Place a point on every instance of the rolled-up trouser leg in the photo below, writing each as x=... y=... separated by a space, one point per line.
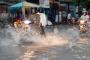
x=42 y=30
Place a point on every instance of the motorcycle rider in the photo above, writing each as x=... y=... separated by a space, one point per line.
x=85 y=16
x=84 y=19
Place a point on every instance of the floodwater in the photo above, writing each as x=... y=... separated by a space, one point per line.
x=62 y=42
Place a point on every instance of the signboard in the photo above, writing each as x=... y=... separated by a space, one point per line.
x=44 y=3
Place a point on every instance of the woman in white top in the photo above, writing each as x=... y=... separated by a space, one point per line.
x=85 y=16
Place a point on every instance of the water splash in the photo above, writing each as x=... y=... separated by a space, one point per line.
x=53 y=38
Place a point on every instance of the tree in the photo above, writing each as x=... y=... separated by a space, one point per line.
x=77 y=2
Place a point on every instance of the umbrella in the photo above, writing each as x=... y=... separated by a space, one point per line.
x=24 y=4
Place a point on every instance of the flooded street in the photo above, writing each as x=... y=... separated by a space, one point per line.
x=64 y=42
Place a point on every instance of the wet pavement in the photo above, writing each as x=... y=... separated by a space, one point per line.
x=64 y=42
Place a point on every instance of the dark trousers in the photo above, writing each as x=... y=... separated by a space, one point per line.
x=69 y=21
x=42 y=30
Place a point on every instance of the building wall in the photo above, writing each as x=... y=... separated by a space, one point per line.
x=10 y=1
x=3 y=7
x=5 y=3
x=33 y=1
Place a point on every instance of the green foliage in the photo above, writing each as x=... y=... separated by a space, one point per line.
x=79 y=1
x=17 y=1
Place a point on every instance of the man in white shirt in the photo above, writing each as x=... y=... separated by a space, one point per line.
x=43 y=19
x=69 y=17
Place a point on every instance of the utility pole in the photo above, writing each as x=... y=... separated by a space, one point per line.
x=23 y=9
x=78 y=8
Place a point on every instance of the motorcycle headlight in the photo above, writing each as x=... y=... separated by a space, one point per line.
x=27 y=22
x=82 y=22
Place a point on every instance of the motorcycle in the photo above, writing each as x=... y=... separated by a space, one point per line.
x=83 y=26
